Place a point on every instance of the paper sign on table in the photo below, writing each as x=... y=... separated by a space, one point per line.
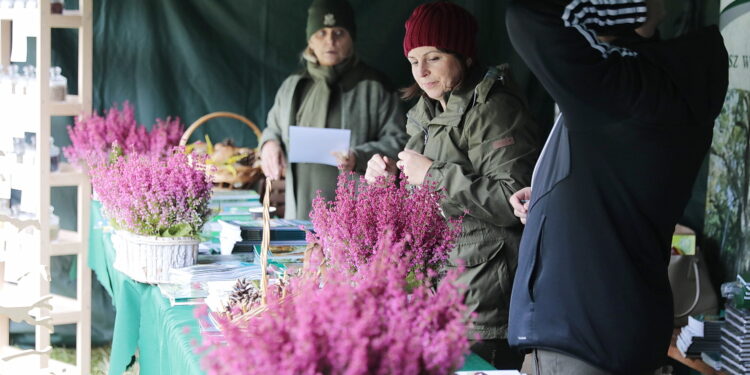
x=315 y=145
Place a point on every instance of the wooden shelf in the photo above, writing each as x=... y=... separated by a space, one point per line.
x=67 y=243
x=67 y=175
x=70 y=19
x=64 y=310
x=695 y=364
x=33 y=112
x=19 y=223
x=23 y=365
x=70 y=107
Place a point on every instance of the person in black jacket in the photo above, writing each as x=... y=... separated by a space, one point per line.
x=591 y=293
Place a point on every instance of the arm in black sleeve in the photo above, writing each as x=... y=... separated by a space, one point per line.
x=585 y=76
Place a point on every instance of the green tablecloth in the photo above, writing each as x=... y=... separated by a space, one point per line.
x=147 y=322
x=144 y=319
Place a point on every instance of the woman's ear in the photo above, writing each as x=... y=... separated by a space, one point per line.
x=469 y=62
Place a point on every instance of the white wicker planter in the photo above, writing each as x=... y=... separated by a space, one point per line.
x=149 y=259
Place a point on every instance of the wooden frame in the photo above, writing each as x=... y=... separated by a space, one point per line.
x=32 y=299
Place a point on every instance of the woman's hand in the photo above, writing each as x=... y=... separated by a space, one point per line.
x=272 y=160
x=520 y=203
x=414 y=165
x=380 y=166
x=346 y=160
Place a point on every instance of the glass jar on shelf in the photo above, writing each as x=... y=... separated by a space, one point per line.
x=54 y=156
x=12 y=79
x=54 y=224
x=58 y=84
x=28 y=79
x=19 y=4
x=57 y=6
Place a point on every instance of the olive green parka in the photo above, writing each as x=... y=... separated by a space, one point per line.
x=483 y=147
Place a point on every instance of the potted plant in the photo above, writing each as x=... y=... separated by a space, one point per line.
x=157 y=205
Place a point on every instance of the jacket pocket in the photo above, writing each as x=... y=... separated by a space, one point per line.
x=534 y=253
x=476 y=246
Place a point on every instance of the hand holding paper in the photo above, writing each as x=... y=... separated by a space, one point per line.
x=347 y=160
x=317 y=145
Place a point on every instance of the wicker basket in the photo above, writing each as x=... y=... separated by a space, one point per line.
x=148 y=259
x=244 y=175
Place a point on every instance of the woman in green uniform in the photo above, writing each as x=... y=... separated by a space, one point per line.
x=472 y=136
x=334 y=90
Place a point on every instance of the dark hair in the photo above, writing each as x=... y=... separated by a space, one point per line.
x=414 y=91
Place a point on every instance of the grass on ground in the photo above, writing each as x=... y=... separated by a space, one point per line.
x=99 y=359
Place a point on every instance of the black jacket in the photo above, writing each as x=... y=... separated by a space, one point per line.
x=612 y=182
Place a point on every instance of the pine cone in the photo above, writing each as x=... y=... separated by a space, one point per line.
x=244 y=295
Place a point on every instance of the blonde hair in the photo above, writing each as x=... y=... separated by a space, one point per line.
x=308 y=55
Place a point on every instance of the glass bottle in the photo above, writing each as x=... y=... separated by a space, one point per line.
x=54 y=156
x=13 y=77
x=57 y=6
x=54 y=224
x=58 y=84
x=29 y=77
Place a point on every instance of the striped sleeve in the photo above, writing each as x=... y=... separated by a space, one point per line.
x=605 y=17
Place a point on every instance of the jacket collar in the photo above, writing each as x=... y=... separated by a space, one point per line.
x=427 y=111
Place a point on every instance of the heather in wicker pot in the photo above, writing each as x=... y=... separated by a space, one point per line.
x=158 y=205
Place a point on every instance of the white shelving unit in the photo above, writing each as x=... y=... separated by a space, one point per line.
x=33 y=113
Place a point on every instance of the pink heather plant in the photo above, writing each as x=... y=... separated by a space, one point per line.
x=153 y=195
x=363 y=215
x=349 y=324
x=92 y=136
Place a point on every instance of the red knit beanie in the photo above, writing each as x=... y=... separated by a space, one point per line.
x=441 y=25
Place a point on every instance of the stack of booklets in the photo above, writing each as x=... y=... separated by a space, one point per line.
x=243 y=236
x=735 y=341
x=228 y=205
x=701 y=334
x=233 y=201
x=184 y=294
x=215 y=272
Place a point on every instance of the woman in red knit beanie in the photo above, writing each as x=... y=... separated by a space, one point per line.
x=473 y=136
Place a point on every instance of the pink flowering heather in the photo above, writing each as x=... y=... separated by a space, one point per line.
x=363 y=215
x=92 y=136
x=154 y=195
x=349 y=324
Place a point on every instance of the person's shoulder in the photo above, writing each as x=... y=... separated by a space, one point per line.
x=291 y=81
x=498 y=86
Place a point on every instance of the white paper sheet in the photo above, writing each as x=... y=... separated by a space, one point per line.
x=315 y=145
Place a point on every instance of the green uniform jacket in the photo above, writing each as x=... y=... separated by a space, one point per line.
x=368 y=108
x=484 y=146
